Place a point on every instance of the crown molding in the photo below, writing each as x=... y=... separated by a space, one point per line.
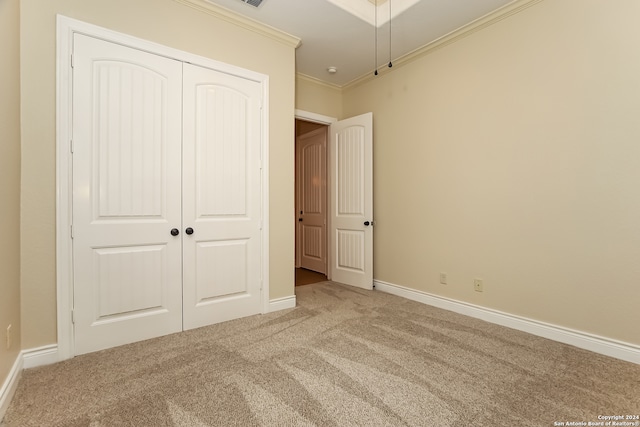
x=317 y=81
x=498 y=15
x=242 y=21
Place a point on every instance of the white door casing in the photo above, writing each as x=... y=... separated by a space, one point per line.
x=311 y=197
x=112 y=254
x=351 y=201
x=222 y=165
x=126 y=193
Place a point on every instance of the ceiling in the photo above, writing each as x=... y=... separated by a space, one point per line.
x=341 y=33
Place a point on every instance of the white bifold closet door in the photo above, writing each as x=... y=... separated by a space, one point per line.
x=166 y=195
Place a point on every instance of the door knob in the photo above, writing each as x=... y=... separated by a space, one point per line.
x=300 y=219
x=366 y=223
x=175 y=231
x=189 y=231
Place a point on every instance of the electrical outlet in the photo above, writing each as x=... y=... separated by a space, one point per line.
x=443 y=278
x=478 y=285
x=8 y=337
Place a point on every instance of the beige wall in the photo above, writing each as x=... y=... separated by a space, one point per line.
x=9 y=183
x=317 y=97
x=172 y=24
x=513 y=155
x=508 y=155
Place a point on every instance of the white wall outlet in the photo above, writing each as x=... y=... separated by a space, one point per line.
x=478 y=285
x=8 y=337
x=443 y=278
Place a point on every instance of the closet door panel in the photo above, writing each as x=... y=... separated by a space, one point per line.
x=126 y=194
x=221 y=196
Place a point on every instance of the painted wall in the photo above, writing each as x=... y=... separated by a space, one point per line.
x=513 y=155
x=317 y=97
x=9 y=183
x=172 y=24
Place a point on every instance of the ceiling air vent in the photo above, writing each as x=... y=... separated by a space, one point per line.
x=254 y=3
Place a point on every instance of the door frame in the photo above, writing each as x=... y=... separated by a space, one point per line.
x=66 y=28
x=327 y=121
x=299 y=203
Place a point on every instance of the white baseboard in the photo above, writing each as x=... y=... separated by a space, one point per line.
x=282 y=303
x=10 y=385
x=40 y=356
x=618 y=349
x=26 y=359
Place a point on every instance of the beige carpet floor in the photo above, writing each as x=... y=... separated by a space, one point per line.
x=343 y=357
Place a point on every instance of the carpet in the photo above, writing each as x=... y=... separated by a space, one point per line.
x=343 y=357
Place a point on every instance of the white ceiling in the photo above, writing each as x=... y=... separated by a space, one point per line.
x=341 y=33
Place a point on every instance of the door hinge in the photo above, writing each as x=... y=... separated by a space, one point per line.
x=73 y=316
x=72 y=60
x=71 y=146
x=71 y=227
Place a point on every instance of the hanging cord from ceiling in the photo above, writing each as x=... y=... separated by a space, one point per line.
x=390 y=64
x=375 y=42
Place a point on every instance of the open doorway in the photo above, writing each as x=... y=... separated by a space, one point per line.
x=311 y=202
x=347 y=190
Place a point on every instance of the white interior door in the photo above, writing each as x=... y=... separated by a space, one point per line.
x=221 y=197
x=126 y=194
x=167 y=195
x=351 y=201
x=311 y=184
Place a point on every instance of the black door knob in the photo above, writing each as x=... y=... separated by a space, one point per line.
x=366 y=223
x=175 y=231
x=189 y=231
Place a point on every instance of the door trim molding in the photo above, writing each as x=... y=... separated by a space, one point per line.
x=66 y=28
x=314 y=117
x=299 y=203
x=323 y=120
